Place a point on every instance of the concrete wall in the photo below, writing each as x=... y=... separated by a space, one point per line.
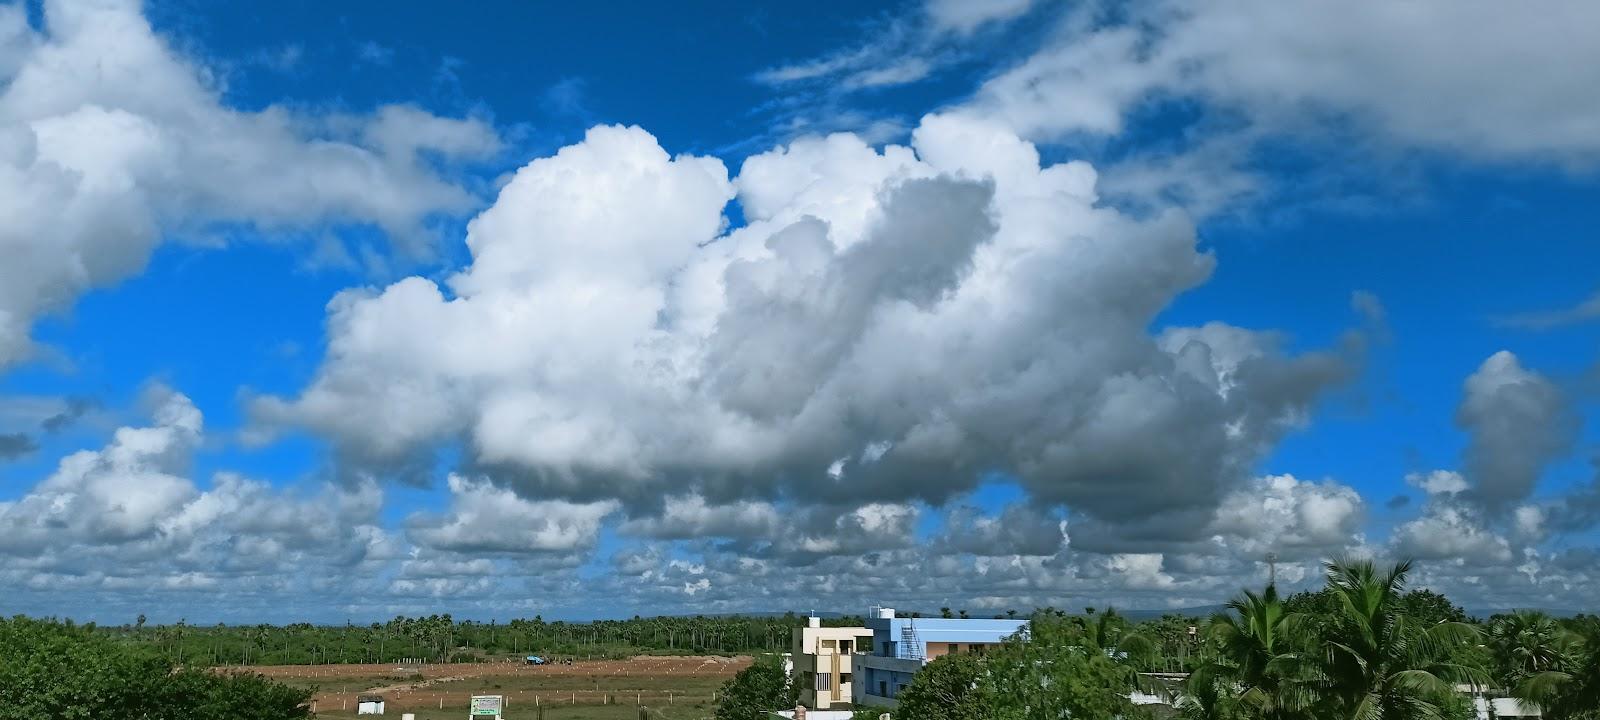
x=940 y=649
x=880 y=679
x=814 y=640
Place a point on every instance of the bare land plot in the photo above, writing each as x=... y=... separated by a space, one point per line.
x=671 y=687
x=564 y=712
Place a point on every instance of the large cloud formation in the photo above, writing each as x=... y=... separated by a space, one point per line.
x=888 y=325
x=1369 y=84
x=679 y=388
x=1403 y=71
x=127 y=519
x=111 y=143
x=1489 y=520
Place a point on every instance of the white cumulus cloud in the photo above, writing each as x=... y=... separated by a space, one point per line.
x=111 y=143
x=887 y=325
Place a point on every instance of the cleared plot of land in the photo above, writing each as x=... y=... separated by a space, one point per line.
x=674 y=688
x=566 y=712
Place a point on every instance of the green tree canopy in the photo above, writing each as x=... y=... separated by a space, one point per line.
x=1571 y=690
x=755 y=690
x=1361 y=648
x=1257 y=661
x=952 y=687
x=59 y=670
x=1055 y=669
x=1526 y=643
x=1427 y=607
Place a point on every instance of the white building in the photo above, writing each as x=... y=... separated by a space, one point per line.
x=1492 y=704
x=369 y=705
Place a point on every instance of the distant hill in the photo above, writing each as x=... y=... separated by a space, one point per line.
x=1484 y=613
x=1200 y=611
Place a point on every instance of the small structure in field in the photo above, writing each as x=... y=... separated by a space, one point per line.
x=369 y=705
x=815 y=715
x=486 y=707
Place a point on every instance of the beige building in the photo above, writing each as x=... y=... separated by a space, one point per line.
x=822 y=658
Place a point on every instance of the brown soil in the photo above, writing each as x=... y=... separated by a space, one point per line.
x=653 y=680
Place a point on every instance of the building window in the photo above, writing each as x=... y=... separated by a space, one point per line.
x=844 y=647
x=844 y=678
x=830 y=645
x=824 y=682
x=883 y=688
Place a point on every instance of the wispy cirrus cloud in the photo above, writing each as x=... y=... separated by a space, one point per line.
x=1585 y=311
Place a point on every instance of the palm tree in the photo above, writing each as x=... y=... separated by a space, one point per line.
x=178 y=632
x=1255 y=651
x=1571 y=690
x=1379 y=663
x=1209 y=698
x=1110 y=633
x=1526 y=643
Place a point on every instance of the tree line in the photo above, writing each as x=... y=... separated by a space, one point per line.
x=1362 y=647
x=440 y=638
x=52 y=669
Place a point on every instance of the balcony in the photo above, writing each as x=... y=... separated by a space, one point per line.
x=824 y=663
x=878 y=662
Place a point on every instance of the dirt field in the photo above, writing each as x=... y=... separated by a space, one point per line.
x=670 y=687
x=551 y=712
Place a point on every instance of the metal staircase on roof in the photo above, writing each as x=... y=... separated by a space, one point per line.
x=909 y=648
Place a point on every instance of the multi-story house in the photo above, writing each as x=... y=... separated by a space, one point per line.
x=823 y=662
x=901 y=646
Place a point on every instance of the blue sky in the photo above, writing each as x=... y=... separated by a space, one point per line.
x=1348 y=255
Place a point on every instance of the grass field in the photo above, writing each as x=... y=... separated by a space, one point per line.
x=669 y=688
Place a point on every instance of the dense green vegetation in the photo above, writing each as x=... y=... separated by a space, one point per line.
x=59 y=670
x=1062 y=667
x=1557 y=668
x=1361 y=648
x=439 y=638
x=756 y=689
x=949 y=688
